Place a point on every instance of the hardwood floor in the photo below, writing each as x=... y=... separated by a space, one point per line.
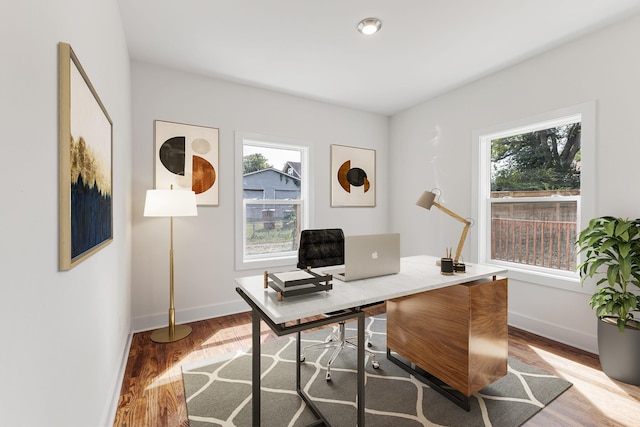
x=152 y=393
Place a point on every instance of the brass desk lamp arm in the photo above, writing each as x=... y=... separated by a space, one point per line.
x=466 y=223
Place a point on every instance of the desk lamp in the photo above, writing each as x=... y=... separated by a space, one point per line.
x=428 y=199
x=170 y=203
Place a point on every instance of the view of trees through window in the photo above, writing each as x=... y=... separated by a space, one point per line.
x=543 y=160
x=535 y=194
x=271 y=184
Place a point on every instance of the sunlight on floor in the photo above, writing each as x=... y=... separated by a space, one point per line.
x=167 y=377
x=593 y=384
x=223 y=341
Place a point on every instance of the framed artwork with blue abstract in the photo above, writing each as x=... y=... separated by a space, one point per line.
x=353 y=176
x=85 y=164
x=186 y=158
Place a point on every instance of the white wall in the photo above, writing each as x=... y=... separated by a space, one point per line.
x=64 y=333
x=431 y=146
x=204 y=245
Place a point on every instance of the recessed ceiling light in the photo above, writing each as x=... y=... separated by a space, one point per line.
x=369 y=26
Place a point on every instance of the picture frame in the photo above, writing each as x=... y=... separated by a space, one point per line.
x=187 y=158
x=85 y=164
x=353 y=176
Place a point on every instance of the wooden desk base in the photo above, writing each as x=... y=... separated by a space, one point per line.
x=457 y=334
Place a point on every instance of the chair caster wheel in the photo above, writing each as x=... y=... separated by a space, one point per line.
x=328 y=376
x=375 y=364
x=302 y=358
x=369 y=344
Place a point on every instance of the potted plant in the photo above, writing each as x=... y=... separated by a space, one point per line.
x=611 y=248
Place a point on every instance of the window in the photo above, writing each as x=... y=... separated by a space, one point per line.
x=271 y=200
x=532 y=190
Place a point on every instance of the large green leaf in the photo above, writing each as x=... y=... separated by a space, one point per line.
x=609 y=228
x=622 y=230
x=624 y=249
x=607 y=244
x=612 y=274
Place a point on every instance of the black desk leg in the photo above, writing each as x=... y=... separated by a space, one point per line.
x=255 y=368
x=298 y=360
x=361 y=369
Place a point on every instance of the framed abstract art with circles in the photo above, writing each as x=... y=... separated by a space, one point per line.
x=186 y=158
x=353 y=176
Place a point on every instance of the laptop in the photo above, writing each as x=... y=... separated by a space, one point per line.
x=369 y=255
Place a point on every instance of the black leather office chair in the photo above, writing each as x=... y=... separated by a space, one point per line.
x=321 y=248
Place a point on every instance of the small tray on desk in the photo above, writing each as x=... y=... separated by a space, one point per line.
x=298 y=282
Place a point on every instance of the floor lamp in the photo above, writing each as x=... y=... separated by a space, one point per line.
x=428 y=199
x=170 y=203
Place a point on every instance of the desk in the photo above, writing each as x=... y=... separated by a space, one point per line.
x=417 y=275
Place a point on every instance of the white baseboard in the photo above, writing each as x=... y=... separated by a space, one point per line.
x=118 y=386
x=146 y=323
x=555 y=332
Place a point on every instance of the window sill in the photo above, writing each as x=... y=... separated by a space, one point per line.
x=567 y=281
x=264 y=263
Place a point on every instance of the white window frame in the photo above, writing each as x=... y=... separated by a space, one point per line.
x=481 y=204
x=242 y=260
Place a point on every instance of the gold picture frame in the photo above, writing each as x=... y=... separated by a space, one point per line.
x=353 y=176
x=85 y=164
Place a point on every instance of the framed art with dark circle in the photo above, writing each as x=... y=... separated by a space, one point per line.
x=353 y=176
x=186 y=158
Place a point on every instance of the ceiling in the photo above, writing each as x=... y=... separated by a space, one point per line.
x=311 y=48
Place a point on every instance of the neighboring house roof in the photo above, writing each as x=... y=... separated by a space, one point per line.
x=292 y=168
x=271 y=170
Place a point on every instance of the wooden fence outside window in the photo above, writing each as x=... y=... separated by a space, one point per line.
x=548 y=244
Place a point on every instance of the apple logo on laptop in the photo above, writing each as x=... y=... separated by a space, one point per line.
x=374 y=255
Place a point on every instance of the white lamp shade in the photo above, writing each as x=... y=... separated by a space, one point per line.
x=426 y=200
x=170 y=203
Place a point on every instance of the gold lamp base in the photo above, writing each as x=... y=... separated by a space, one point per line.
x=164 y=335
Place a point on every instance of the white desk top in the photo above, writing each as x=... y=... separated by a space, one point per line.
x=417 y=274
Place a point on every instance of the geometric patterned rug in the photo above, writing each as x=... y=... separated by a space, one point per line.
x=218 y=392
